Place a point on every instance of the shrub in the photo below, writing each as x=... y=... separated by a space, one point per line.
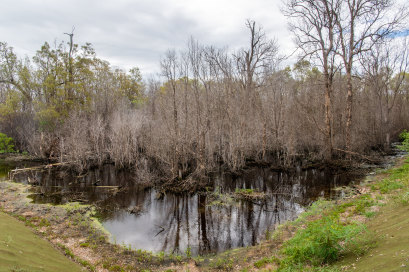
x=404 y=137
x=323 y=241
x=6 y=144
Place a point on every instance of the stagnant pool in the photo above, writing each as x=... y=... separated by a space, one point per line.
x=205 y=222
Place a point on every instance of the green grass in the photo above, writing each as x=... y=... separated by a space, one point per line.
x=222 y=264
x=264 y=261
x=390 y=225
x=323 y=241
x=22 y=250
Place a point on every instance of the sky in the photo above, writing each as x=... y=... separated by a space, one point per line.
x=138 y=33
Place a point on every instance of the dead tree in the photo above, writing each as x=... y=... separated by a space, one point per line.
x=313 y=23
x=360 y=25
x=385 y=69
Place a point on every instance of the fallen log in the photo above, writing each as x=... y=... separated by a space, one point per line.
x=13 y=172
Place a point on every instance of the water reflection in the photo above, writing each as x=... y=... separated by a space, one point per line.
x=144 y=219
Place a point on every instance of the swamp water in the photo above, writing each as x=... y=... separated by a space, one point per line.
x=202 y=223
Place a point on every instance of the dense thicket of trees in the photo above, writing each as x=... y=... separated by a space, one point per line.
x=213 y=106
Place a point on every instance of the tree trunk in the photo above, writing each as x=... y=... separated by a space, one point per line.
x=328 y=115
x=348 y=123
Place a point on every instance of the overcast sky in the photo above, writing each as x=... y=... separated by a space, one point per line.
x=137 y=33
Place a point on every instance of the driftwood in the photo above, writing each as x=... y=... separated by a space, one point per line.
x=13 y=172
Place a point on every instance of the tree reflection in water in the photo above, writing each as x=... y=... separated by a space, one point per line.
x=174 y=223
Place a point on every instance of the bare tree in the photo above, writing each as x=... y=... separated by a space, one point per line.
x=361 y=24
x=170 y=69
x=313 y=22
x=252 y=61
x=70 y=68
x=385 y=69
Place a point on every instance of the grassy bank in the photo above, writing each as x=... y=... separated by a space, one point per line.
x=366 y=231
x=22 y=250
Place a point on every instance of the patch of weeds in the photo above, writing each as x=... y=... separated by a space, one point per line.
x=178 y=258
x=248 y=194
x=223 y=264
x=188 y=252
x=343 y=207
x=316 y=208
x=127 y=249
x=404 y=137
x=369 y=214
x=73 y=206
x=161 y=256
x=323 y=241
x=108 y=265
x=217 y=198
x=244 y=191
x=264 y=261
x=363 y=202
x=70 y=254
x=379 y=197
x=67 y=251
x=84 y=245
x=116 y=268
x=86 y=264
x=268 y=234
x=403 y=198
x=387 y=185
x=143 y=255
x=26 y=221
x=44 y=223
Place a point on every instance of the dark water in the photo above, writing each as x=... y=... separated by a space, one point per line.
x=6 y=165
x=203 y=222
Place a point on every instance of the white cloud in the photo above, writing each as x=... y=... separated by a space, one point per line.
x=136 y=33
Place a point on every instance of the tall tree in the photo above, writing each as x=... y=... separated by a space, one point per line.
x=252 y=61
x=170 y=69
x=313 y=22
x=361 y=24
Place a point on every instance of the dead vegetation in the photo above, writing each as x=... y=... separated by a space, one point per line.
x=214 y=106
